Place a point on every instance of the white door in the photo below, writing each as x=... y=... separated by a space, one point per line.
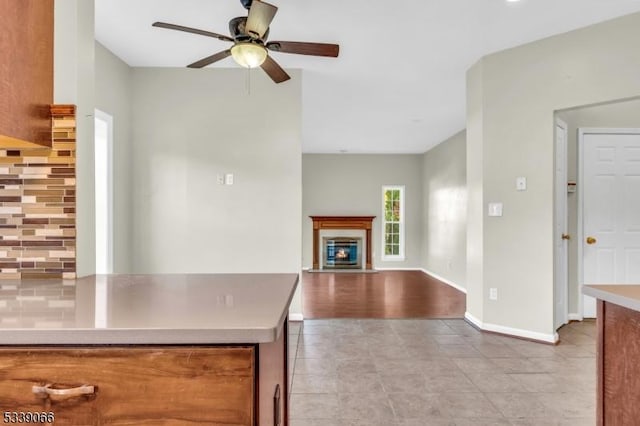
x=611 y=209
x=561 y=267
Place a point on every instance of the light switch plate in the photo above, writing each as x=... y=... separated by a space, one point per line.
x=228 y=178
x=493 y=294
x=495 y=209
x=521 y=183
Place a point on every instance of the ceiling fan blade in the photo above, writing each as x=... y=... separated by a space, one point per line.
x=210 y=59
x=302 y=48
x=274 y=70
x=191 y=30
x=260 y=16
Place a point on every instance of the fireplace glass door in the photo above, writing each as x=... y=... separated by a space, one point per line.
x=342 y=253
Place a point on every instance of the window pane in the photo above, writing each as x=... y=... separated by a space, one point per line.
x=388 y=239
x=387 y=249
x=395 y=249
x=388 y=210
x=396 y=239
x=396 y=211
x=396 y=195
x=388 y=228
x=395 y=228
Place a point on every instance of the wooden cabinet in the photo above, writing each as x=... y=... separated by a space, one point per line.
x=151 y=385
x=618 y=365
x=26 y=74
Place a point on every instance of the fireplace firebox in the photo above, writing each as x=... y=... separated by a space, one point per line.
x=342 y=253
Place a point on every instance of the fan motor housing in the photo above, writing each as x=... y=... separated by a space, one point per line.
x=237 y=29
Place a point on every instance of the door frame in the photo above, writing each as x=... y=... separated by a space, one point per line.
x=108 y=119
x=582 y=132
x=565 y=252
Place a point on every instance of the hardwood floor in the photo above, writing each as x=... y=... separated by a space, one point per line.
x=386 y=294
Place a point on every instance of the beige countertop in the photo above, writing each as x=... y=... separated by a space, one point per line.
x=146 y=309
x=623 y=295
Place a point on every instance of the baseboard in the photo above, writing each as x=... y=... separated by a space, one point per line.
x=575 y=317
x=473 y=320
x=444 y=280
x=296 y=316
x=398 y=269
x=514 y=332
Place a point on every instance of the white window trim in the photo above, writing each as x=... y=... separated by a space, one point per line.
x=394 y=257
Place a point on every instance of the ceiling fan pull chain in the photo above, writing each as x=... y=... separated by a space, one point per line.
x=249 y=81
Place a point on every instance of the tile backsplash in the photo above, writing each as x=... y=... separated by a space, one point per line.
x=38 y=205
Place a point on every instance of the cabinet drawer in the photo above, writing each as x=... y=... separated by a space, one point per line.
x=132 y=386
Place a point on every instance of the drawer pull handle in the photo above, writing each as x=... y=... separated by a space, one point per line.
x=47 y=390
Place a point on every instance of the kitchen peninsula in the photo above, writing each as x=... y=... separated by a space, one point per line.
x=147 y=349
x=618 y=353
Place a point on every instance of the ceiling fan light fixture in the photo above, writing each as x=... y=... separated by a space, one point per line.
x=249 y=55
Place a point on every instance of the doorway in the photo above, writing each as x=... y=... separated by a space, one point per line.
x=103 y=192
x=609 y=209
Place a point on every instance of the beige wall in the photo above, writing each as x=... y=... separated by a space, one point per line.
x=625 y=114
x=188 y=128
x=444 y=212
x=73 y=72
x=516 y=93
x=113 y=96
x=351 y=184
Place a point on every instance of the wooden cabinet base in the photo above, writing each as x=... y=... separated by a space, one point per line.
x=618 y=365
x=160 y=386
x=169 y=385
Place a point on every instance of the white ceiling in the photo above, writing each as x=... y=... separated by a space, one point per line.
x=399 y=83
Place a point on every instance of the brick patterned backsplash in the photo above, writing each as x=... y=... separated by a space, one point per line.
x=38 y=205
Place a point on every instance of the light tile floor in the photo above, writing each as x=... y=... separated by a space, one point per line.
x=438 y=372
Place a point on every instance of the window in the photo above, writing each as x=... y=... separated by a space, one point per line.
x=393 y=222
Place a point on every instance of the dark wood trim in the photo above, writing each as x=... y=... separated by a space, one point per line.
x=341 y=222
x=285 y=380
x=62 y=110
x=269 y=365
x=600 y=363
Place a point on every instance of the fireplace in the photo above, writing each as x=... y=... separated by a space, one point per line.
x=342 y=253
x=343 y=223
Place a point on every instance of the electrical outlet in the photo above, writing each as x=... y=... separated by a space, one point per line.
x=493 y=294
x=220 y=179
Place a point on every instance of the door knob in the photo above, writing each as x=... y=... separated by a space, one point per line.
x=566 y=236
x=591 y=240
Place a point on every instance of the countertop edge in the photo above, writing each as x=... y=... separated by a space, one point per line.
x=611 y=297
x=285 y=314
x=29 y=337
x=268 y=330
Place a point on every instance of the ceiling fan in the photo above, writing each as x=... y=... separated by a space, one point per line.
x=249 y=37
